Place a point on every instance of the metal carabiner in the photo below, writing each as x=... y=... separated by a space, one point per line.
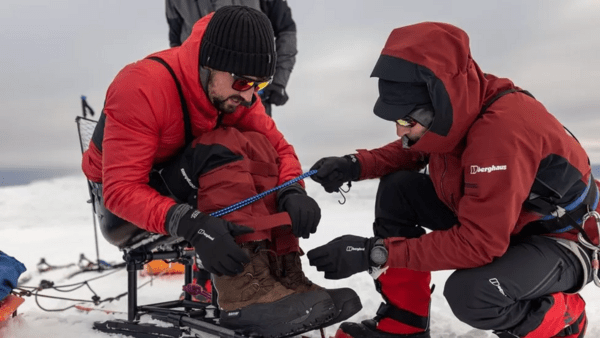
x=585 y=217
x=595 y=248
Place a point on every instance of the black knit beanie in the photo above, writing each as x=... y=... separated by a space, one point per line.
x=239 y=40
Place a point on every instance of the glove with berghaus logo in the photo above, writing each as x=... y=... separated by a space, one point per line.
x=211 y=237
x=343 y=256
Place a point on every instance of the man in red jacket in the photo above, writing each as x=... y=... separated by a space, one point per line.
x=508 y=195
x=183 y=134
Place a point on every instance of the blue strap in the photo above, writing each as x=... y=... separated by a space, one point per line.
x=255 y=198
x=576 y=202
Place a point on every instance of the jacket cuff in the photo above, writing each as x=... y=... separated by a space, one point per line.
x=355 y=168
x=397 y=252
x=174 y=215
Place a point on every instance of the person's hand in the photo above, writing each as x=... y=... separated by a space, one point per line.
x=343 y=256
x=333 y=172
x=303 y=210
x=212 y=238
x=275 y=94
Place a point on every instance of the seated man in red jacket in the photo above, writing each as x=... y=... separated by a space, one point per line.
x=183 y=134
x=509 y=197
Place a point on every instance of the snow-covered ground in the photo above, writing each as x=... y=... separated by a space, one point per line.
x=51 y=219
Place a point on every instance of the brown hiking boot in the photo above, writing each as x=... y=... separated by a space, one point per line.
x=256 y=304
x=287 y=269
x=255 y=285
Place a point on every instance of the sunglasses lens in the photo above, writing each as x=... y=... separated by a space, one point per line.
x=404 y=123
x=262 y=85
x=242 y=85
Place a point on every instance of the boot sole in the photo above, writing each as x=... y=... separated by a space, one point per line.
x=291 y=315
x=355 y=330
x=347 y=307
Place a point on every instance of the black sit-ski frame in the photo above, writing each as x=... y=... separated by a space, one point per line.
x=189 y=318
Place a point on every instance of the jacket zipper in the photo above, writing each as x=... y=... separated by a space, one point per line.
x=219 y=120
x=442 y=182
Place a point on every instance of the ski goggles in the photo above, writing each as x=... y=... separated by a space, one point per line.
x=408 y=122
x=242 y=84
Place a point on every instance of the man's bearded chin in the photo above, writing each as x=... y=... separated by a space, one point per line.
x=220 y=105
x=407 y=143
x=227 y=109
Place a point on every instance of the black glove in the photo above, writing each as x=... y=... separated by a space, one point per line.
x=343 y=256
x=212 y=238
x=332 y=172
x=275 y=94
x=304 y=211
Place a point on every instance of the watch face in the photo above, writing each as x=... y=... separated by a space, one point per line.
x=379 y=255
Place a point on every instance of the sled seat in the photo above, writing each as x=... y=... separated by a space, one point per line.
x=115 y=230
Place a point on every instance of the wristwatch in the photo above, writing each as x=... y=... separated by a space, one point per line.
x=379 y=253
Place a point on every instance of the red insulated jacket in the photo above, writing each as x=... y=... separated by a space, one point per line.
x=144 y=126
x=484 y=165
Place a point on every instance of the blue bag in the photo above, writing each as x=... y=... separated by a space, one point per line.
x=10 y=270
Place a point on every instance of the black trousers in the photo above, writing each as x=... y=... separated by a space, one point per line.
x=498 y=296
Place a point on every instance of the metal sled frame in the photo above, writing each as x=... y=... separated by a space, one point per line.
x=189 y=318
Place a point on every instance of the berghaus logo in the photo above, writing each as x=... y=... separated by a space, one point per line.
x=187 y=179
x=203 y=233
x=475 y=169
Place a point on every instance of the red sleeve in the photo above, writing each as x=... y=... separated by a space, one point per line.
x=388 y=159
x=129 y=148
x=490 y=206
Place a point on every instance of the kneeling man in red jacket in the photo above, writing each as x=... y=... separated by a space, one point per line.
x=508 y=195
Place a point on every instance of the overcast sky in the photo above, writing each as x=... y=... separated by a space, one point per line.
x=55 y=51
